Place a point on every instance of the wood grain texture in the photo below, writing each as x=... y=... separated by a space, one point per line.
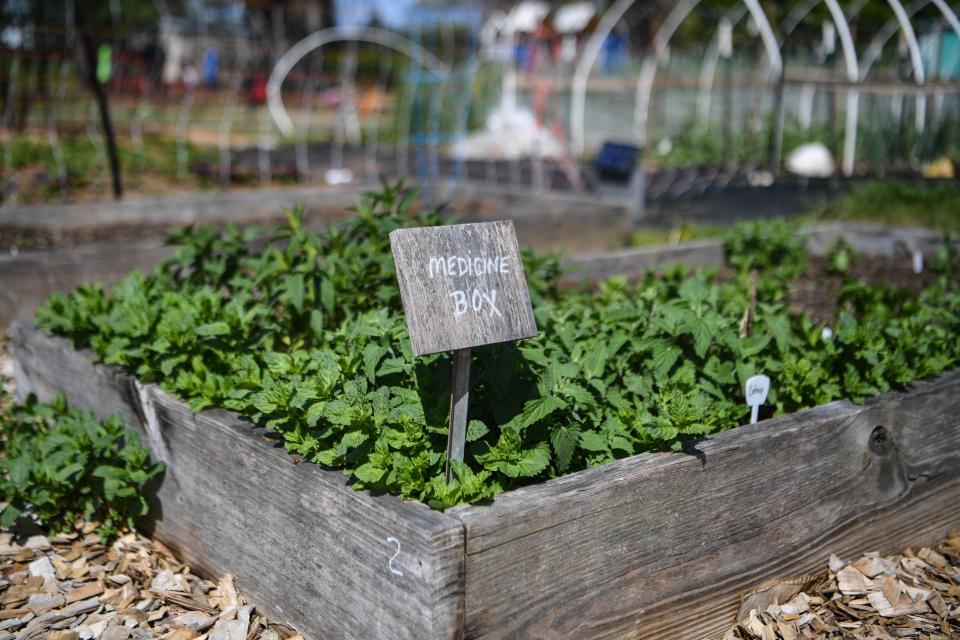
x=29 y=277
x=154 y=214
x=459 y=406
x=462 y=286
x=662 y=545
x=875 y=239
x=635 y=262
x=301 y=543
x=871 y=239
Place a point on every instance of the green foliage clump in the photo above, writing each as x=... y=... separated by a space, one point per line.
x=84 y=167
x=305 y=335
x=63 y=467
x=935 y=206
x=775 y=247
x=841 y=257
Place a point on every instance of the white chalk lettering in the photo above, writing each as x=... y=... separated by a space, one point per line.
x=477 y=301
x=492 y=301
x=458 y=266
x=459 y=303
x=393 y=569
x=439 y=265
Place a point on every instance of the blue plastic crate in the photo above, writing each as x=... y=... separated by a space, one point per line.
x=616 y=160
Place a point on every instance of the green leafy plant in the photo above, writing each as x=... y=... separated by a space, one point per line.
x=775 y=247
x=304 y=334
x=932 y=204
x=840 y=257
x=62 y=467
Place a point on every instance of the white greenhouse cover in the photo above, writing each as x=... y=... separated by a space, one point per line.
x=574 y=17
x=527 y=16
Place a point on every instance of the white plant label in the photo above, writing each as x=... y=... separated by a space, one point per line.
x=338 y=176
x=918 y=262
x=725 y=38
x=756 y=392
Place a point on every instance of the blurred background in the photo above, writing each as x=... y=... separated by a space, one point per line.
x=121 y=97
x=594 y=125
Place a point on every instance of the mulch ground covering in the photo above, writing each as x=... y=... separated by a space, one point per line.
x=72 y=587
x=914 y=594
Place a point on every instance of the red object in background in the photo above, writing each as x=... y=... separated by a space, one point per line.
x=541 y=91
x=258 y=90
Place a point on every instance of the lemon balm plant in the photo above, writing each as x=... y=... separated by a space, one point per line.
x=62 y=467
x=303 y=333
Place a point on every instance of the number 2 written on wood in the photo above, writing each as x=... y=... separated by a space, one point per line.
x=393 y=569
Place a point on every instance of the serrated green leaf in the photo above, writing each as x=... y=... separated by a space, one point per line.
x=593 y=441
x=536 y=410
x=212 y=329
x=565 y=441
x=530 y=462
x=294 y=287
x=368 y=473
x=476 y=430
x=315 y=412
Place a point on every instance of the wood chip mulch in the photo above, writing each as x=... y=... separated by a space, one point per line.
x=72 y=587
x=911 y=595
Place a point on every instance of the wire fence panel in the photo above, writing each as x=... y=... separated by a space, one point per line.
x=206 y=94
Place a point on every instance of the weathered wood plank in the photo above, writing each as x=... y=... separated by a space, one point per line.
x=462 y=286
x=29 y=277
x=337 y=563
x=154 y=214
x=635 y=262
x=867 y=238
x=919 y=519
x=875 y=239
x=660 y=546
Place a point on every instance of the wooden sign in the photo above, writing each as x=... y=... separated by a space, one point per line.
x=462 y=286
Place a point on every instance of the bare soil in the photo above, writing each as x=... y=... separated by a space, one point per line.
x=815 y=293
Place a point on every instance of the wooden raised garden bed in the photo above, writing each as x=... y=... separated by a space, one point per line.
x=651 y=546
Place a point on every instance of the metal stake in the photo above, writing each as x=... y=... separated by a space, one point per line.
x=459 y=398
